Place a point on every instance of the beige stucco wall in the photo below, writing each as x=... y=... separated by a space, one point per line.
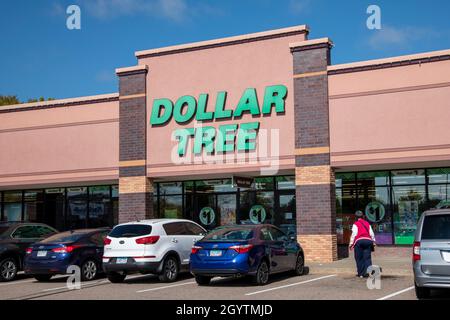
x=231 y=68
x=57 y=145
x=391 y=116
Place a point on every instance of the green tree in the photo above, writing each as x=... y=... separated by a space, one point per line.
x=8 y=100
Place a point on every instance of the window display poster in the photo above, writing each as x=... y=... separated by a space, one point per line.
x=408 y=214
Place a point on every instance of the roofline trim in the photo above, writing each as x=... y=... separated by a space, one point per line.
x=222 y=41
x=60 y=102
x=390 y=62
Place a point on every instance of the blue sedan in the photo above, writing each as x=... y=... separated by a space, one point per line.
x=239 y=250
x=82 y=248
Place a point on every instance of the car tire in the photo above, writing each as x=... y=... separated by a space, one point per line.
x=421 y=292
x=43 y=277
x=115 y=277
x=8 y=269
x=202 y=280
x=261 y=277
x=170 y=270
x=299 y=268
x=89 y=270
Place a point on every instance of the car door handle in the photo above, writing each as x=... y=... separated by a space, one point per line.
x=174 y=240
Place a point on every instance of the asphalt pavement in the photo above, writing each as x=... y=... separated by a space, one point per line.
x=314 y=286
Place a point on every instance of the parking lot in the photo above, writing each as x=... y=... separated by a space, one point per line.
x=283 y=286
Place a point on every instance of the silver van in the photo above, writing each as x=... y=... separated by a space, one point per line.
x=431 y=252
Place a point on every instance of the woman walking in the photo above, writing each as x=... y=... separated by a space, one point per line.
x=363 y=241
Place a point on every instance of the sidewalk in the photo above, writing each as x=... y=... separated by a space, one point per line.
x=393 y=261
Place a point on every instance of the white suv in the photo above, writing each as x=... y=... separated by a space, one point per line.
x=158 y=246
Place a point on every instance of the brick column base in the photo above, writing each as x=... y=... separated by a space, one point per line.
x=135 y=199
x=319 y=248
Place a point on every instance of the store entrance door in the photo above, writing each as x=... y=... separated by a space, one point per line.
x=215 y=209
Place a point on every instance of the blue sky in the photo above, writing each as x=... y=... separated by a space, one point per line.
x=41 y=57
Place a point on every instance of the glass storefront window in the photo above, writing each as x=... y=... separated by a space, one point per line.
x=285 y=182
x=33 y=205
x=404 y=177
x=438 y=175
x=115 y=191
x=12 y=205
x=221 y=185
x=256 y=207
x=380 y=178
x=375 y=203
x=99 y=207
x=54 y=205
x=226 y=208
x=170 y=188
x=77 y=208
x=439 y=195
x=286 y=217
x=345 y=205
x=263 y=183
x=171 y=207
x=409 y=203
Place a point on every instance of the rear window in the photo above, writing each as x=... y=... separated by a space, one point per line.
x=64 y=237
x=130 y=231
x=228 y=234
x=436 y=227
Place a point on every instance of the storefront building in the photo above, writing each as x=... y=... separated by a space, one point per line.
x=248 y=129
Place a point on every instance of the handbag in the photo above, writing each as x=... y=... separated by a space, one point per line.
x=372 y=246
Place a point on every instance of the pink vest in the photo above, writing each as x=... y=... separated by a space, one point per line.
x=363 y=230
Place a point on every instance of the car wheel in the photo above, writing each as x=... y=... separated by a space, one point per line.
x=202 y=280
x=89 y=270
x=299 y=266
x=421 y=292
x=43 y=277
x=262 y=274
x=8 y=269
x=170 y=270
x=115 y=277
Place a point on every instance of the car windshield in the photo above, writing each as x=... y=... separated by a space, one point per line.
x=64 y=237
x=436 y=227
x=130 y=231
x=229 y=234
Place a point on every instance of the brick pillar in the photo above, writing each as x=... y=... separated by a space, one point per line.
x=315 y=183
x=135 y=189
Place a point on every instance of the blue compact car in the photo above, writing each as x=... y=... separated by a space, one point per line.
x=239 y=250
x=83 y=248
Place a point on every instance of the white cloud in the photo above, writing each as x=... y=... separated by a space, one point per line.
x=389 y=36
x=105 y=76
x=298 y=6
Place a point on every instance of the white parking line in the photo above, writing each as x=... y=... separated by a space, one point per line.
x=85 y=285
x=165 y=287
x=26 y=281
x=290 y=285
x=396 y=293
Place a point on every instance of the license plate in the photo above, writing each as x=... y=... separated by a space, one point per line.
x=215 y=253
x=42 y=253
x=446 y=255
x=121 y=260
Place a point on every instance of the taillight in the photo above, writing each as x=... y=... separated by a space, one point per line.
x=416 y=251
x=29 y=250
x=106 y=241
x=65 y=249
x=147 y=240
x=242 y=248
x=195 y=249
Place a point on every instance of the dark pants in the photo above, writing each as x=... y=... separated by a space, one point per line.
x=363 y=256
